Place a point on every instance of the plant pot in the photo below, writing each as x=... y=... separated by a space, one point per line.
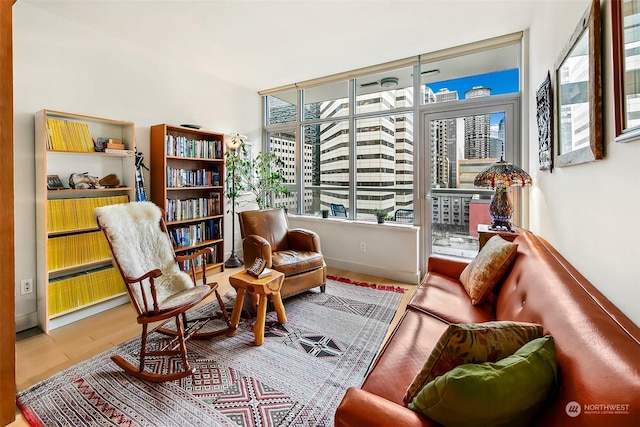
x=380 y=220
x=325 y=213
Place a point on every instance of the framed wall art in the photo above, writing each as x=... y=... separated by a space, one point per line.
x=625 y=25
x=578 y=106
x=544 y=102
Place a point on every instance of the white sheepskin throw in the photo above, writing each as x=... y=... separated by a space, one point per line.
x=140 y=246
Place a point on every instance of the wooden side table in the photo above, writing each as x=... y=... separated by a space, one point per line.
x=261 y=290
x=484 y=234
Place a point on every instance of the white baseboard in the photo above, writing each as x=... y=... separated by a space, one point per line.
x=26 y=321
x=401 y=276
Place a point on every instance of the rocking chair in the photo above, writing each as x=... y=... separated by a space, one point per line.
x=158 y=289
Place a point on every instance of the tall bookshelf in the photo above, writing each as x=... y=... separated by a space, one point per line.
x=75 y=277
x=187 y=182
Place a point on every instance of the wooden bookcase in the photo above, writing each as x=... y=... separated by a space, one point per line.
x=187 y=182
x=75 y=277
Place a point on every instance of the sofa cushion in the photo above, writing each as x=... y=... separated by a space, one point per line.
x=444 y=297
x=402 y=357
x=487 y=268
x=292 y=262
x=507 y=392
x=472 y=343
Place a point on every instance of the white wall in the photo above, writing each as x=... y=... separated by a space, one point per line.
x=589 y=212
x=64 y=66
x=390 y=250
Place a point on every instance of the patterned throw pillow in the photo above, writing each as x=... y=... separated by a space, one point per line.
x=509 y=392
x=487 y=268
x=472 y=343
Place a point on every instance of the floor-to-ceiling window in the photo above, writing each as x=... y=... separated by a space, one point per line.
x=353 y=141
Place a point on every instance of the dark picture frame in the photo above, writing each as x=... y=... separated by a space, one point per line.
x=578 y=100
x=626 y=84
x=544 y=102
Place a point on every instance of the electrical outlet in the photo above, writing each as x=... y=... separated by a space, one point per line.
x=26 y=286
x=363 y=247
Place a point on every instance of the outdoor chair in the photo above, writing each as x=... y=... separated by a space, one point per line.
x=404 y=215
x=158 y=289
x=338 y=210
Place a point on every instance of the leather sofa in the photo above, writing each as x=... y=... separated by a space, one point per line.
x=295 y=252
x=598 y=347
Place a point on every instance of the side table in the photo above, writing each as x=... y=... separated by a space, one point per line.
x=484 y=234
x=261 y=290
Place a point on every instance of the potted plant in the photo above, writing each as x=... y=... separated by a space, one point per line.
x=263 y=176
x=380 y=215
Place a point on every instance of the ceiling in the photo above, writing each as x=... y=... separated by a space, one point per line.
x=263 y=44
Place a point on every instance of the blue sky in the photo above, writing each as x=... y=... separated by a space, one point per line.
x=499 y=82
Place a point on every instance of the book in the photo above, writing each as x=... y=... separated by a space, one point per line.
x=54 y=183
x=266 y=272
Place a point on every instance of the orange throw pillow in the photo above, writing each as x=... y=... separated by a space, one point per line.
x=488 y=267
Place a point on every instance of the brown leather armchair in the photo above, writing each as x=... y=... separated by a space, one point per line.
x=294 y=252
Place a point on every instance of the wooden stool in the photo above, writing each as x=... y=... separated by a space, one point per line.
x=260 y=290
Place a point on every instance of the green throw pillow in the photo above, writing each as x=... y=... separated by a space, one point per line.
x=472 y=343
x=508 y=392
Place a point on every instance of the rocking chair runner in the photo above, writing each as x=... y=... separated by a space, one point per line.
x=158 y=289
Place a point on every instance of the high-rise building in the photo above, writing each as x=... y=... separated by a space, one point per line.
x=443 y=146
x=477 y=129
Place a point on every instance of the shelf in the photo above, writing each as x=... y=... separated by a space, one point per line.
x=188 y=221
x=199 y=159
x=195 y=187
x=78 y=268
x=197 y=245
x=125 y=153
x=79 y=192
x=82 y=307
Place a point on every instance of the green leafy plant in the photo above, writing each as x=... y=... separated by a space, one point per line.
x=380 y=214
x=262 y=176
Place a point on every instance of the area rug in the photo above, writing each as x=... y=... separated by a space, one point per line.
x=296 y=378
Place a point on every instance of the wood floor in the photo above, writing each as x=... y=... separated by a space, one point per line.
x=39 y=355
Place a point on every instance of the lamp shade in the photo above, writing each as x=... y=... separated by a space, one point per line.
x=502 y=174
x=235 y=141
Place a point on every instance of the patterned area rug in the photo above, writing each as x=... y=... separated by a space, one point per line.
x=296 y=378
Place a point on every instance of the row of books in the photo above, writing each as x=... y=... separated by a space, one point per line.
x=192 y=178
x=84 y=288
x=181 y=146
x=77 y=249
x=193 y=234
x=74 y=214
x=197 y=262
x=179 y=209
x=66 y=135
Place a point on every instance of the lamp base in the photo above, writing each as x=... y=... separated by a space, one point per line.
x=233 y=261
x=500 y=210
x=500 y=226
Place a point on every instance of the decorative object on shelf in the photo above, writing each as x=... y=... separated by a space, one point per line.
x=544 y=100
x=80 y=181
x=190 y=126
x=380 y=215
x=110 y=181
x=141 y=189
x=501 y=175
x=234 y=162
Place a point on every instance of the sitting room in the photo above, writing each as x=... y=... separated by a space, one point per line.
x=406 y=178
